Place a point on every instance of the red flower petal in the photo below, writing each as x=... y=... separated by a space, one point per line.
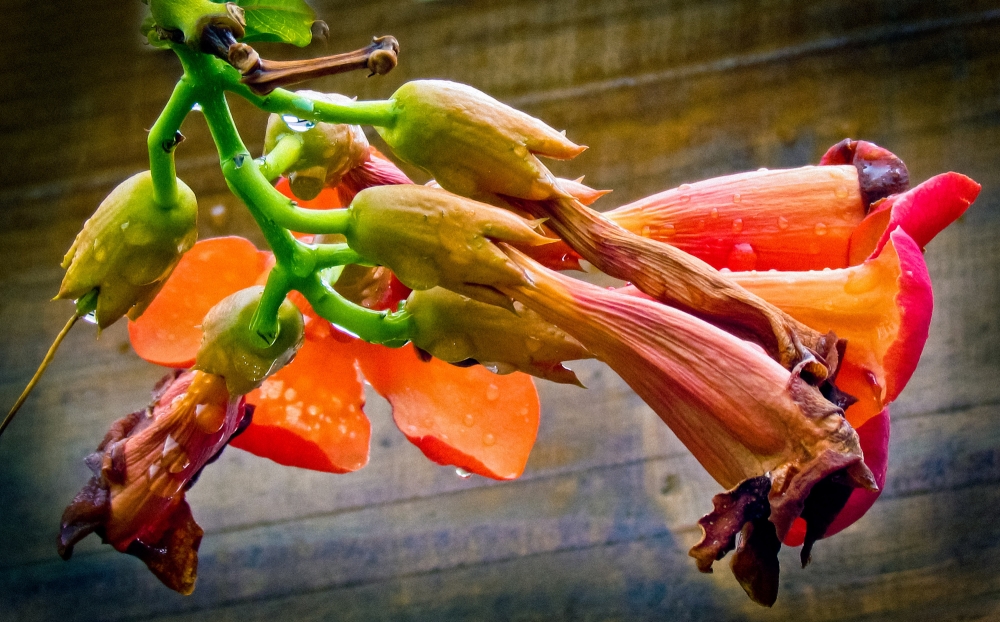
x=466 y=417
x=921 y=212
x=328 y=198
x=309 y=414
x=169 y=332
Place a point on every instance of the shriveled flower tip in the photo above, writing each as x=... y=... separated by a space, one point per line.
x=142 y=468
x=128 y=248
x=472 y=144
x=430 y=237
x=457 y=329
x=880 y=172
x=329 y=150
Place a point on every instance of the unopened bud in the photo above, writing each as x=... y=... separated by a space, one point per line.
x=455 y=328
x=472 y=144
x=329 y=150
x=128 y=248
x=229 y=348
x=430 y=237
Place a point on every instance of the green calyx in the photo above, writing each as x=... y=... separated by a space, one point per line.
x=128 y=248
x=231 y=350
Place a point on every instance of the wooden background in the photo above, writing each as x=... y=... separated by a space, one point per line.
x=663 y=92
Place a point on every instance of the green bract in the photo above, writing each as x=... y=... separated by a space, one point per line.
x=455 y=328
x=472 y=144
x=429 y=237
x=283 y=21
x=229 y=349
x=128 y=248
x=328 y=149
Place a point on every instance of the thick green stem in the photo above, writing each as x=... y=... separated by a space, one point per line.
x=329 y=255
x=162 y=140
x=264 y=323
x=285 y=153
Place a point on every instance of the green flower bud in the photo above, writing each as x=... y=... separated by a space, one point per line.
x=430 y=237
x=128 y=248
x=329 y=150
x=472 y=144
x=190 y=17
x=229 y=349
x=455 y=328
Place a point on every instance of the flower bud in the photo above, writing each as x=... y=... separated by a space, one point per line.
x=229 y=348
x=455 y=329
x=472 y=144
x=430 y=237
x=189 y=18
x=128 y=248
x=329 y=150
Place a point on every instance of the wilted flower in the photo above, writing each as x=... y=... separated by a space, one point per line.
x=128 y=248
x=142 y=469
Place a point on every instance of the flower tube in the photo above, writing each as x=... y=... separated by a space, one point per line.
x=760 y=430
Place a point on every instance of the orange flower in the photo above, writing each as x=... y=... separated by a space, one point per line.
x=310 y=413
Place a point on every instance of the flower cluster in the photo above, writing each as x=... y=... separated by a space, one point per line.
x=769 y=318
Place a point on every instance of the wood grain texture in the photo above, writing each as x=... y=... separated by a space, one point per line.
x=663 y=92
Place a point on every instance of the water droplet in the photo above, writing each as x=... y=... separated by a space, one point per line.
x=154 y=470
x=762 y=170
x=737 y=225
x=196 y=107
x=782 y=223
x=841 y=192
x=303 y=103
x=239 y=159
x=489 y=440
x=684 y=198
x=125 y=225
x=169 y=444
x=714 y=213
x=100 y=254
x=469 y=420
x=742 y=258
x=492 y=392
x=218 y=215
x=533 y=344
x=820 y=229
x=210 y=417
x=646 y=231
x=668 y=230
x=684 y=187
x=296 y=124
x=90 y=318
x=462 y=473
x=737 y=198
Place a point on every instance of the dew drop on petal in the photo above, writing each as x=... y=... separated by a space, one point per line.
x=737 y=225
x=782 y=223
x=296 y=124
x=489 y=440
x=742 y=258
x=683 y=187
x=668 y=230
x=714 y=213
x=820 y=229
x=492 y=392
x=469 y=420
x=462 y=473
x=737 y=198
x=646 y=231
x=533 y=344
x=685 y=198
x=841 y=192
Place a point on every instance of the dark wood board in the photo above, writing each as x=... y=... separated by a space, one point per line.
x=598 y=527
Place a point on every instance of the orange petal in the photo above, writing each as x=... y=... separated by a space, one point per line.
x=882 y=307
x=794 y=219
x=309 y=414
x=328 y=198
x=169 y=332
x=466 y=417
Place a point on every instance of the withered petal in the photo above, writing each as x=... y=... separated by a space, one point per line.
x=745 y=503
x=87 y=513
x=174 y=558
x=755 y=562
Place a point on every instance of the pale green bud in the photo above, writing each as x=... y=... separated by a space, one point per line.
x=472 y=144
x=128 y=248
x=430 y=237
x=455 y=328
x=189 y=18
x=329 y=150
x=229 y=348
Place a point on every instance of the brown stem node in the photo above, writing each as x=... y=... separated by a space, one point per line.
x=379 y=57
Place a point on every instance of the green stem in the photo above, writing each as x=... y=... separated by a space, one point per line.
x=264 y=322
x=382 y=113
x=162 y=140
x=382 y=327
x=285 y=153
x=329 y=255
